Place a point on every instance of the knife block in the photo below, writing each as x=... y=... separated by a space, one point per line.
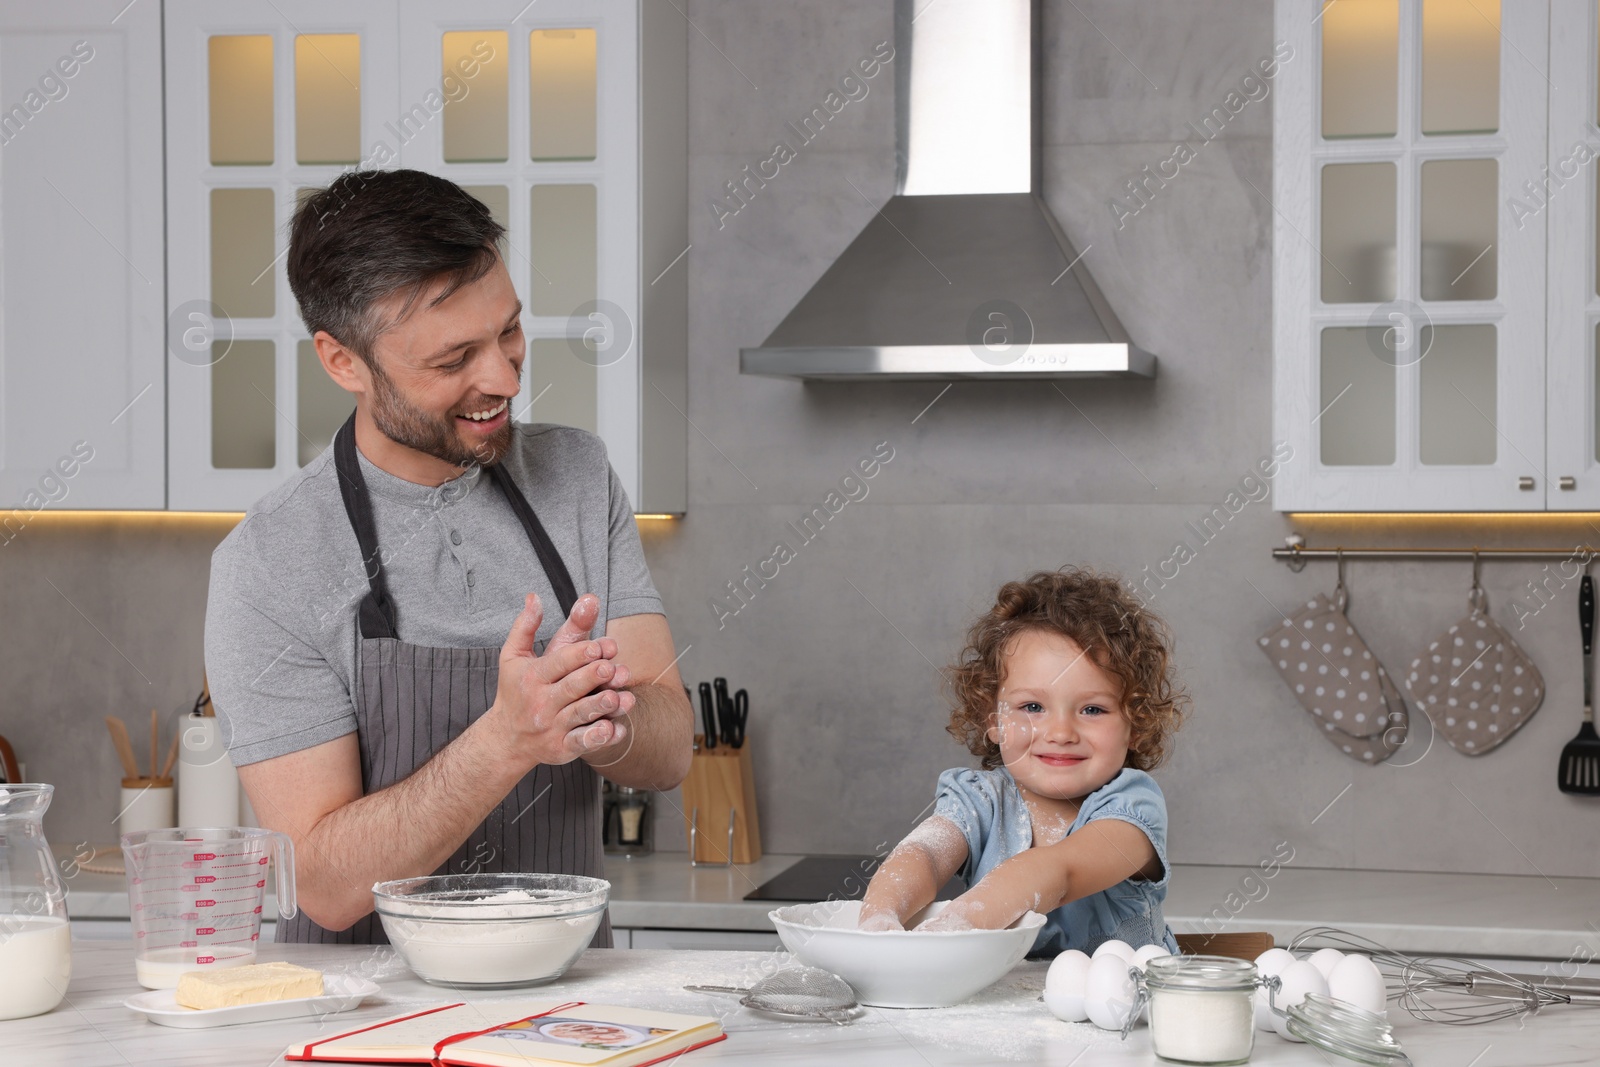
x=719 y=806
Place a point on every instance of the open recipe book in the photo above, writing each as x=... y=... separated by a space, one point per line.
x=515 y=1033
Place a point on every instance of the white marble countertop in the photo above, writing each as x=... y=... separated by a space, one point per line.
x=1468 y=914
x=1004 y=1024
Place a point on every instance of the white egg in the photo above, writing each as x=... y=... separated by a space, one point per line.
x=1121 y=948
x=1109 y=992
x=1274 y=960
x=1147 y=953
x=1325 y=960
x=1358 y=981
x=1064 y=984
x=1271 y=962
x=1298 y=979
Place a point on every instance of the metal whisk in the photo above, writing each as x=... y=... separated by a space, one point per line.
x=1449 y=989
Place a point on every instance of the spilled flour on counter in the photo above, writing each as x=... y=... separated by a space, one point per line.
x=1007 y=1021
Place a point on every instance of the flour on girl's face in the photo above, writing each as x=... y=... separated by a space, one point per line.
x=1059 y=721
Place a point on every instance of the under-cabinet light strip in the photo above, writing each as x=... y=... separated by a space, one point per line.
x=201 y=516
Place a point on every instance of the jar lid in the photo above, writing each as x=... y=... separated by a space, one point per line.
x=1346 y=1030
x=1200 y=973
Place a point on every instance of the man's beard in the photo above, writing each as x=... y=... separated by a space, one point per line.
x=404 y=424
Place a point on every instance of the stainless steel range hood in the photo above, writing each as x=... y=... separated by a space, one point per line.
x=964 y=273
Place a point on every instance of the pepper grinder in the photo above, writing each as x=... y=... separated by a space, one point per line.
x=629 y=822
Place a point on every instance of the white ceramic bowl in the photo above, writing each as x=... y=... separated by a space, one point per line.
x=450 y=930
x=903 y=969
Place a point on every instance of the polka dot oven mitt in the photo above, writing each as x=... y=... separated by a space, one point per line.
x=1335 y=677
x=1475 y=682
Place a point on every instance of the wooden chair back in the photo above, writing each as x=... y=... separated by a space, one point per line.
x=1244 y=946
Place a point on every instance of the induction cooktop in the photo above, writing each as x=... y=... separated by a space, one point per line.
x=816 y=878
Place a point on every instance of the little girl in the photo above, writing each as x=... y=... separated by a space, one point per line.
x=1065 y=693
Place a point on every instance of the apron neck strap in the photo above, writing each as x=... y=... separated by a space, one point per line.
x=377 y=609
x=554 y=569
x=377 y=615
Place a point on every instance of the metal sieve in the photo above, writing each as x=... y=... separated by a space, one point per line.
x=805 y=993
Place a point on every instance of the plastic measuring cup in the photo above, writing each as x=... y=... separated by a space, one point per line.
x=195 y=897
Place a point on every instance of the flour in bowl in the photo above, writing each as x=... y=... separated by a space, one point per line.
x=506 y=896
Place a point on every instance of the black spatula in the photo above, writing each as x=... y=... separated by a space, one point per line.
x=1580 y=760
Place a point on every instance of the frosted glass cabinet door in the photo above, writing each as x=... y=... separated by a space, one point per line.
x=543 y=119
x=567 y=117
x=81 y=336
x=266 y=101
x=1408 y=286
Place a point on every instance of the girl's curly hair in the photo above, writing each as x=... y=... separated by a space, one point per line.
x=1098 y=614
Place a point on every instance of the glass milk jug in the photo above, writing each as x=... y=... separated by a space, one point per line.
x=35 y=945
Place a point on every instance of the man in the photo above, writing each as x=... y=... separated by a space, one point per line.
x=385 y=640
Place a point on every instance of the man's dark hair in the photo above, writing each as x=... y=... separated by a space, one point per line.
x=374 y=233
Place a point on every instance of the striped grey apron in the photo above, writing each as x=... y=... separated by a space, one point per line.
x=412 y=700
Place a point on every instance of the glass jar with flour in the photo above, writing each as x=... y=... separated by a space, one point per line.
x=1201 y=1008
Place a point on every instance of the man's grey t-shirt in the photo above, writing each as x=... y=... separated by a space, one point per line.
x=287 y=582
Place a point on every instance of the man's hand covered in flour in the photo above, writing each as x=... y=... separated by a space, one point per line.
x=571 y=699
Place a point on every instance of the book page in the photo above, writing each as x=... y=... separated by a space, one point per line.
x=589 y=1034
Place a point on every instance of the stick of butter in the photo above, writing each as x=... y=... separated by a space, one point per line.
x=252 y=984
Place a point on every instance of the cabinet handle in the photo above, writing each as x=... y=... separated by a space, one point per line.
x=1568 y=482
x=1525 y=482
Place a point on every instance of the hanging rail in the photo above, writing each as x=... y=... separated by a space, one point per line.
x=1297 y=555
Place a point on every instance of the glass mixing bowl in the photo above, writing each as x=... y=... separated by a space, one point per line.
x=491 y=931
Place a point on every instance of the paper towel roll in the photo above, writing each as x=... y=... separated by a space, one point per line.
x=208 y=786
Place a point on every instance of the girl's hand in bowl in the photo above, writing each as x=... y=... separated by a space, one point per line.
x=880 y=922
x=956 y=916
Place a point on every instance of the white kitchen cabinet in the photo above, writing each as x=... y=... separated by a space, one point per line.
x=568 y=118
x=1563 y=196
x=1409 y=293
x=101 y=930
x=740 y=940
x=82 y=386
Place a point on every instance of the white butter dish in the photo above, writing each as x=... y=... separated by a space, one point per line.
x=341 y=992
